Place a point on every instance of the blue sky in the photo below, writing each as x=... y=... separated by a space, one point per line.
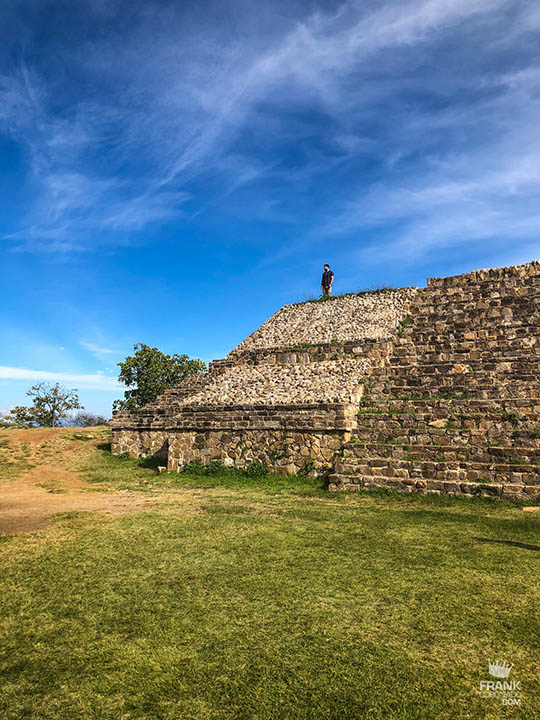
x=174 y=172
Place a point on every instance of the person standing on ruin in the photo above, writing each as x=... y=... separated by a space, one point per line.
x=327 y=280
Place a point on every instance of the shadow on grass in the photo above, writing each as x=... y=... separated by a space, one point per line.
x=152 y=462
x=512 y=543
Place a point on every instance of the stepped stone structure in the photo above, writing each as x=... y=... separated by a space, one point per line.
x=426 y=390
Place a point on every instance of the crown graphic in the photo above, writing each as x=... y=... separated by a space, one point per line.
x=499 y=669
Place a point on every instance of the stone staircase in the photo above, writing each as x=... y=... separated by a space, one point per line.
x=456 y=408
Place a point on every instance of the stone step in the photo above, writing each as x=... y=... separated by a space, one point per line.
x=457 y=298
x=485 y=289
x=514 y=310
x=456 y=374
x=481 y=337
x=490 y=455
x=472 y=387
x=375 y=349
x=473 y=378
x=420 y=325
x=512 y=348
x=527 y=366
x=455 y=334
x=508 y=491
x=410 y=428
x=492 y=392
x=496 y=348
x=457 y=471
x=469 y=322
x=442 y=406
x=462 y=416
x=517 y=275
x=428 y=355
x=446 y=383
x=508 y=310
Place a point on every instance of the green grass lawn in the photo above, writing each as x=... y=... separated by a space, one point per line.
x=268 y=598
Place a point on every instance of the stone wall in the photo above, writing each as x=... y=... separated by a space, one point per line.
x=281 y=451
x=282 y=437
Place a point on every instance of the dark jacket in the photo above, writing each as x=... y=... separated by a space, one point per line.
x=327 y=278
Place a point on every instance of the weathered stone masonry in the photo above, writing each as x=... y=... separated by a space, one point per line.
x=282 y=437
x=287 y=405
x=432 y=390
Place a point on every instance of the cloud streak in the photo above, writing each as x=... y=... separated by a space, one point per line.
x=95 y=381
x=97 y=349
x=419 y=115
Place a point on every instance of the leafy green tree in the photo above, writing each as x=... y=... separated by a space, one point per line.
x=18 y=417
x=51 y=403
x=148 y=372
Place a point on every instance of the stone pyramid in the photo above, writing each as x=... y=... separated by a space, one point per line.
x=431 y=390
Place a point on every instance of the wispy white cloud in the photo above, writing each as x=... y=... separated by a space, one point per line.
x=186 y=104
x=488 y=190
x=97 y=349
x=96 y=381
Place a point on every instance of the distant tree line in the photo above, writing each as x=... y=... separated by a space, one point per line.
x=52 y=405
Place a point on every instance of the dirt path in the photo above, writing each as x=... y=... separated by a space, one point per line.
x=24 y=508
x=42 y=486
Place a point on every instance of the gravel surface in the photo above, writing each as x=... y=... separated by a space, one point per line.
x=326 y=381
x=351 y=317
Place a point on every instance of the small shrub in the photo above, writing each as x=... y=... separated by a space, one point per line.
x=307 y=468
x=404 y=324
x=275 y=456
x=194 y=468
x=215 y=467
x=256 y=470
